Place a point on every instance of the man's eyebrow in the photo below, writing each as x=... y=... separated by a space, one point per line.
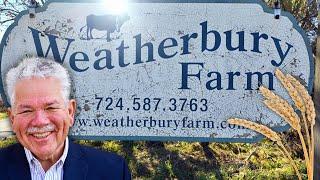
x=55 y=102
x=24 y=106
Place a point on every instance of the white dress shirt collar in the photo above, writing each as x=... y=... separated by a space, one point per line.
x=54 y=172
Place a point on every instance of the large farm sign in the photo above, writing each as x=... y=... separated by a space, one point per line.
x=165 y=70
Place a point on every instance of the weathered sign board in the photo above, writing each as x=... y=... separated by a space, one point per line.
x=165 y=70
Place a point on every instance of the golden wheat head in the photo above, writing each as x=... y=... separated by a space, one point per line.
x=264 y=130
x=310 y=109
x=285 y=111
x=292 y=91
x=267 y=93
x=281 y=107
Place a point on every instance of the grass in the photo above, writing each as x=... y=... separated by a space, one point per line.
x=7 y=141
x=186 y=160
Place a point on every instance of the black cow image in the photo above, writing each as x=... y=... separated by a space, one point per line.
x=109 y=23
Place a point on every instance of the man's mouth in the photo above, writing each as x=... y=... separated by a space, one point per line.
x=41 y=135
x=41 y=132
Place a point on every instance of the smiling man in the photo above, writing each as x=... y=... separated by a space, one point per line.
x=41 y=114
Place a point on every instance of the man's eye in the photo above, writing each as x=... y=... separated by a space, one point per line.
x=51 y=108
x=25 y=112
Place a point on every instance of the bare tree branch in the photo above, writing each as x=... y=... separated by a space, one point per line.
x=7 y=20
x=6 y=9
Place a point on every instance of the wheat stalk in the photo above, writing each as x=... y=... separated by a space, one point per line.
x=286 y=113
x=284 y=110
x=302 y=101
x=293 y=120
x=264 y=130
x=269 y=133
x=269 y=94
x=297 y=99
x=310 y=112
x=295 y=96
x=281 y=107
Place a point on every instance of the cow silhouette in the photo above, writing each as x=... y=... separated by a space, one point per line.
x=109 y=23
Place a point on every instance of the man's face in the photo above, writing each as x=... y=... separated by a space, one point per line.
x=40 y=117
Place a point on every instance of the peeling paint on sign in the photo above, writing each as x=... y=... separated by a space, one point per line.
x=165 y=70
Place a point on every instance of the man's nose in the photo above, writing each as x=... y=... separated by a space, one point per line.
x=40 y=118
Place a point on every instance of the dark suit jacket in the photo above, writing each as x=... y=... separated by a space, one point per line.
x=81 y=163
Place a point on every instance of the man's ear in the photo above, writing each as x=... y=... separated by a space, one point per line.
x=72 y=110
x=11 y=117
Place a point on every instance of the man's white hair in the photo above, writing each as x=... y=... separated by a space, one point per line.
x=37 y=67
